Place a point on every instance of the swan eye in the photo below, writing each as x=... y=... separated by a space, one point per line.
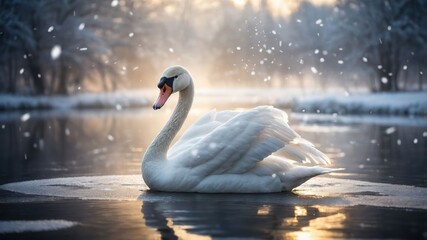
x=164 y=89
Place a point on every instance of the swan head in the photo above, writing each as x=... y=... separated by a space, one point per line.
x=174 y=79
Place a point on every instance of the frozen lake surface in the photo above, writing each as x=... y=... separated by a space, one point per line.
x=76 y=175
x=321 y=190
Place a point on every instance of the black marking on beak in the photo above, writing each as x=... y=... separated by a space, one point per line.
x=167 y=81
x=155 y=107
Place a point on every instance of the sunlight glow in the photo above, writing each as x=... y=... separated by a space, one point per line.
x=282 y=8
x=264 y=210
x=182 y=233
x=318 y=228
x=300 y=211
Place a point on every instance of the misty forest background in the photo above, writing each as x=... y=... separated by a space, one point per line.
x=65 y=47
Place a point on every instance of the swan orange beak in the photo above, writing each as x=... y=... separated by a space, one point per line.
x=165 y=93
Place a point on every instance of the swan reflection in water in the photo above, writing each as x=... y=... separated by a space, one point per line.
x=205 y=216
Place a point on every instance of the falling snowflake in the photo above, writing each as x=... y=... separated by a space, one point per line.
x=21 y=71
x=384 y=80
x=194 y=152
x=55 y=52
x=340 y=62
x=131 y=34
x=25 y=117
x=171 y=50
x=390 y=130
x=314 y=70
x=81 y=26
x=114 y=3
x=110 y=137
x=365 y=59
x=50 y=29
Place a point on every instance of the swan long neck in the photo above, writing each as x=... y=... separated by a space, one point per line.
x=160 y=145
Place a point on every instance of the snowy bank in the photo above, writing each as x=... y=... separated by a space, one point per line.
x=115 y=100
x=408 y=103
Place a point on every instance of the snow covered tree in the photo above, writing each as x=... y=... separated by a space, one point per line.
x=57 y=45
x=379 y=34
x=246 y=47
x=306 y=40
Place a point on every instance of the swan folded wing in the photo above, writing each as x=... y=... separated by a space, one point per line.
x=236 y=145
x=202 y=127
x=304 y=151
x=220 y=149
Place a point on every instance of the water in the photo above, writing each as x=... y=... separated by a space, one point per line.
x=91 y=143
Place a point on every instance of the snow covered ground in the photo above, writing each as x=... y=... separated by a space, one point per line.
x=115 y=100
x=407 y=103
x=401 y=104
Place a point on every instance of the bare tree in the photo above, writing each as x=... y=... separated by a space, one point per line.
x=57 y=44
x=379 y=33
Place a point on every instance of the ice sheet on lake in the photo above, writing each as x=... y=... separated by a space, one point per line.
x=115 y=100
x=309 y=118
x=34 y=225
x=405 y=103
x=320 y=190
x=115 y=187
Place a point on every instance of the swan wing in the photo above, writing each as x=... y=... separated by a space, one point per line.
x=234 y=142
x=202 y=127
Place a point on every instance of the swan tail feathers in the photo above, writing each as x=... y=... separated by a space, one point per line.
x=304 y=151
x=299 y=174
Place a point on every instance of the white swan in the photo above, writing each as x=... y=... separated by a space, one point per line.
x=229 y=151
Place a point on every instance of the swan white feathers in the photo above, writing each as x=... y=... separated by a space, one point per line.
x=229 y=151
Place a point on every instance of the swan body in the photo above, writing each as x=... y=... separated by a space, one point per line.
x=229 y=151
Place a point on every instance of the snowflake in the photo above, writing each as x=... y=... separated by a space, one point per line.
x=55 y=52
x=314 y=70
x=194 y=152
x=110 y=137
x=25 y=117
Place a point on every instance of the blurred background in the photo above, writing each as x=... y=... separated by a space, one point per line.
x=51 y=47
x=78 y=77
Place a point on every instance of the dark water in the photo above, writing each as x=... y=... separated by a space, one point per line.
x=82 y=143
